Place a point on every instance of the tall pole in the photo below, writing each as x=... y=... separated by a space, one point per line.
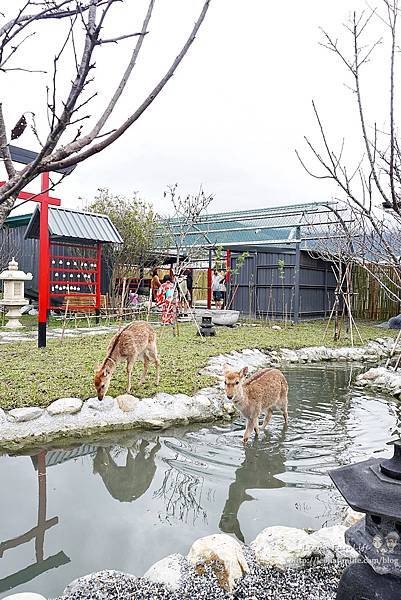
x=296 y=275
x=209 y=281
x=98 y=281
x=44 y=258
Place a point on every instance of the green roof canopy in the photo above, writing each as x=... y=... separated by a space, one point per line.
x=258 y=227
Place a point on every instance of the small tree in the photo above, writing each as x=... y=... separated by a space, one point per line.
x=136 y=222
x=373 y=182
x=182 y=232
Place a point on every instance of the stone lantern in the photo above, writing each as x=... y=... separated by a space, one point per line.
x=374 y=488
x=13 y=296
x=206 y=328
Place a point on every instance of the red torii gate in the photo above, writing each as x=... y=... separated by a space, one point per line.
x=24 y=156
x=44 y=250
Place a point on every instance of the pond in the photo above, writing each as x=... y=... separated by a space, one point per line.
x=127 y=501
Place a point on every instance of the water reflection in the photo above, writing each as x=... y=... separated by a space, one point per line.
x=37 y=533
x=129 y=481
x=263 y=460
x=159 y=492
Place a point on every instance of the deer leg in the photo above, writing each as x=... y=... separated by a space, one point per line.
x=145 y=369
x=250 y=426
x=285 y=415
x=155 y=358
x=129 y=375
x=267 y=418
x=157 y=363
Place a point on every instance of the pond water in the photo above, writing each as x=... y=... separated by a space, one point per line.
x=127 y=501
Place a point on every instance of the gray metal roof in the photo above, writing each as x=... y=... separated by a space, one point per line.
x=67 y=224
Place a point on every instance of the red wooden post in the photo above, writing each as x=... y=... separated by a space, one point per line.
x=44 y=260
x=98 y=280
x=209 y=287
x=228 y=265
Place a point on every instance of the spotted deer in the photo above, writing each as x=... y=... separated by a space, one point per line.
x=261 y=393
x=135 y=341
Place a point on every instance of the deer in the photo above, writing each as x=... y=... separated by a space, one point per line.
x=135 y=341
x=261 y=393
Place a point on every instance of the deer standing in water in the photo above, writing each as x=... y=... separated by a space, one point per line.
x=135 y=341
x=261 y=393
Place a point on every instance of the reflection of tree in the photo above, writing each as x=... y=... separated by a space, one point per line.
x=130 y=481
x=182 y=492
x=37 y=533
x=263 y=460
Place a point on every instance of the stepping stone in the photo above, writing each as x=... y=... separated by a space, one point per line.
x=127 y=402
x=65 y=406
x=25 y=414
x=101 y=405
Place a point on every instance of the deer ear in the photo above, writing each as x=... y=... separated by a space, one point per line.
x=244 y=372
x=225 y=368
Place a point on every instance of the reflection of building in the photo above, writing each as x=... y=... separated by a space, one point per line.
x=128 y=482
x=37 y=533
x=257 y=471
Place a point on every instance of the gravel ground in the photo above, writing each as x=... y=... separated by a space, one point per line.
x=312 y=583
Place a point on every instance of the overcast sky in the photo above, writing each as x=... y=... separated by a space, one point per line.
x=231 y=116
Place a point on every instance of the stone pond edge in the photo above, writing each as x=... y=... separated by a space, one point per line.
x=72 y=417
x=277 y=547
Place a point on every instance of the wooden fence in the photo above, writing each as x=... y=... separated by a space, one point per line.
x=369 y=300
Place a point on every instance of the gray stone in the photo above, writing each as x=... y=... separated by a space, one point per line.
x=395 y=322
x=65 y=406
x=171 y=572
x=25 y=309
x=25 y=414
x=101 y=405
x=3 y=415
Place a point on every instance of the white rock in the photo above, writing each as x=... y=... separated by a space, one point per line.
x=127 y=402
x=351 y=517
x=25 y=596
x=329 y=544
x=229 y=408
x=97 y=585
x=221 y=549
x=101 y=405
x=202 y=400
x=276 y=328
x=282 y=547
x=65 y=406
x=25 y=414
x=3 y=415
x=170 y=572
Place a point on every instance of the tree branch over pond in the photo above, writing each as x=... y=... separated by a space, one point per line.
x=74 y=133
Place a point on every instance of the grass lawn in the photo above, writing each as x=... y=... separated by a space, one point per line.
x=30 y=376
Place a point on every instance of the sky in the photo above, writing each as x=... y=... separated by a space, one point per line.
x=232 y=115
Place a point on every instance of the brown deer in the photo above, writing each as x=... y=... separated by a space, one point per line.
x=135 y=341
x=263 y=391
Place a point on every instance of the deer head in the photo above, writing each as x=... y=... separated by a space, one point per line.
x=102 y=381
x=233 y=381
